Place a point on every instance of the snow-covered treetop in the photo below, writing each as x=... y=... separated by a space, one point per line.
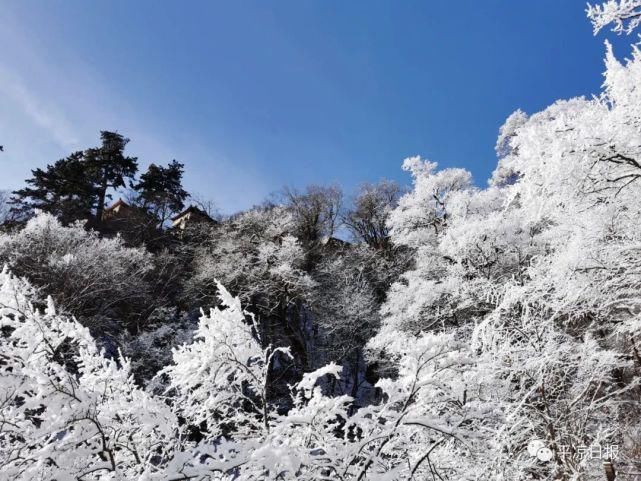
x=624 y=14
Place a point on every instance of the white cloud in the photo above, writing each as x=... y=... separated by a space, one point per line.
x=43 y=114
x=52 y=102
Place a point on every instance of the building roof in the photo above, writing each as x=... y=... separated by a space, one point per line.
x=116 y=204
x=193 y=210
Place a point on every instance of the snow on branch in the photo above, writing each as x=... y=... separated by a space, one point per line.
x=624 y=14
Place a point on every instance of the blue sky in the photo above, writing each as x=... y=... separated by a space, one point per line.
x=253 y=95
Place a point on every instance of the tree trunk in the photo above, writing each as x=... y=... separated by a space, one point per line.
x=610 y=473
x=100 y=208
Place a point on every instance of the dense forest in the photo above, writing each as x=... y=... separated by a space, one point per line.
x=438 y=332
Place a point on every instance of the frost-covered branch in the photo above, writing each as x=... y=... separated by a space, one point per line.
x=624 y=14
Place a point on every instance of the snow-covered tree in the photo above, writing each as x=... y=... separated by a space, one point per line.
x=150 y=348
x=5 y=207
x=314 y=212
x=222 y=378
x=94 y=278
x=536 y=275
x=422 y=214
x=512 y=339
x=67 y=411
x=345 y=311
x=367 y=218
x=255 y=256
x=624 y=14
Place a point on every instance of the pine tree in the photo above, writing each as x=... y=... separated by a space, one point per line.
x=62 y=189
x=160 y=190
x=75 y=188
x=108 y=167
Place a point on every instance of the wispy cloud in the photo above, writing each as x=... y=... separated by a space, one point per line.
x=52 y=102
x=42 y=113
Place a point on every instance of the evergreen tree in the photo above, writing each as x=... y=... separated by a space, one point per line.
x=76 y=187
x=62 y=189
x=109 y=167
x=160 y=190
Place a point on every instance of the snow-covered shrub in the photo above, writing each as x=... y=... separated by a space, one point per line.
x=67 y=411
x=99 y=280
x=255 y=256
x=220 y=381
x=149 y=349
